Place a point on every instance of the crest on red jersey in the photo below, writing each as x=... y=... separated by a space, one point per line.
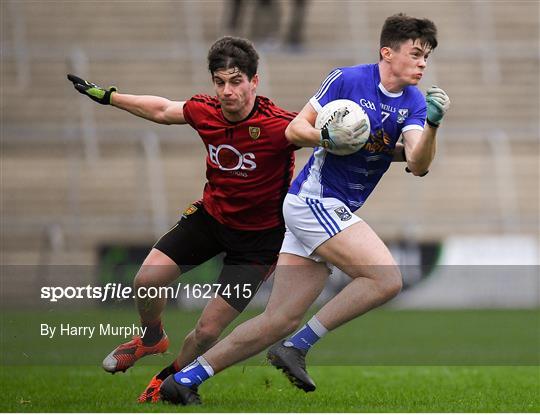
x=191 y=209
x=254 y=132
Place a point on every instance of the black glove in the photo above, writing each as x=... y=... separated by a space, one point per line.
x=91 y=90
x=422 y=175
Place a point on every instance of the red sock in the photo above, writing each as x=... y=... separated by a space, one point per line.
x=169 y=370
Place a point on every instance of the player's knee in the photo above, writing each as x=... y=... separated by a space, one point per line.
x=392 y=283
x=144 y=279
x=206 y=333
x=156 y=271
x=151 y=277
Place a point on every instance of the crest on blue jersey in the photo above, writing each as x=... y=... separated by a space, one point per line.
x=343 y=213
x=402 y=114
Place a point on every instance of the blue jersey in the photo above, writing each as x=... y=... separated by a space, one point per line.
x=352 y=178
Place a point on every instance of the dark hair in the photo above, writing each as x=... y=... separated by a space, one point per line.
x=233 y=52
x=399 y=28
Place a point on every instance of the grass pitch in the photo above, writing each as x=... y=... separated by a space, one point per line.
x=263 y=389
x=421 y=361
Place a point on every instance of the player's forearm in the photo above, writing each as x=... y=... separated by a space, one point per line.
x=399 y=153
x=423 y=153
x=302 y=134
x=145 y=106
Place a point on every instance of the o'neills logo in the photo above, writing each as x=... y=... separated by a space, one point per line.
x=254 y=132
x=333 y=116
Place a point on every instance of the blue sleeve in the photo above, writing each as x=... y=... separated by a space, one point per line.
x=329 y=90
x=417 y=118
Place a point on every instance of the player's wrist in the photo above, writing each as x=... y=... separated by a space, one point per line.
x=107 y=99
x=112 y=92
x=324 y=140
x=432 y=123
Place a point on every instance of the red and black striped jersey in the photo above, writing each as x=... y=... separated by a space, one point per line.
x=249 y=165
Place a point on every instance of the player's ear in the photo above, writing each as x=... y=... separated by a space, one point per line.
x=255 y=81
x=386 y=53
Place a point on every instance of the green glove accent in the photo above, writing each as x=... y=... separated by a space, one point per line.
x=437 y=103
x=94 y=92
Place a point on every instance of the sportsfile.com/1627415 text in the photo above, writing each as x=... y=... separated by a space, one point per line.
x=117 y=291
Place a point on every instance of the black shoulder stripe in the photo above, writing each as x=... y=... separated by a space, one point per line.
x=270 y=115
x=207 y=102
x=285 y=118
x=281 y=111
x=285 y=115
x=281 y=114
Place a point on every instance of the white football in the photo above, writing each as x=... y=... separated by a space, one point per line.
x=354 y=114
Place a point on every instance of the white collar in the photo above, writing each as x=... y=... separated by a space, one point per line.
x=388 y=93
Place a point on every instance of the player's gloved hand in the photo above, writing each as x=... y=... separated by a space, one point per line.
x=342 y=140
x=98 y=94
x=437 y=102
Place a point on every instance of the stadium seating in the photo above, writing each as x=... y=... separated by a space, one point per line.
x=481 y=181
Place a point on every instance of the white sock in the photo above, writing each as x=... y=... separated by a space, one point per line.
x=317 y=326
